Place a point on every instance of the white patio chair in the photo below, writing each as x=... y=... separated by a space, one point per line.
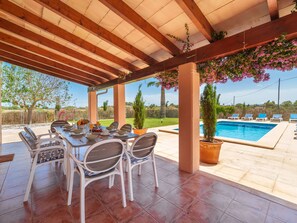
x=276 y=117
x=126 y=128
x=234 y=116
x=141 y=151
x=57 y=123
x=101 y=160
x=42 y=151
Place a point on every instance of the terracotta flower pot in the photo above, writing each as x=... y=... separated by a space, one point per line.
x=140 y=131
x=210 y=151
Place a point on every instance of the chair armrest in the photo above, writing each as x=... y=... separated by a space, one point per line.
x=51 y=135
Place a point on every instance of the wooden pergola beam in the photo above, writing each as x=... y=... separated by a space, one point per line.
x=7 y=25
x=50 y=63
x=134 y=19
x=11 y=40
x=70 y=14
x=273 y=9
x=197 y=17
x=13 y=59
x=29 y=17
x=253 y=37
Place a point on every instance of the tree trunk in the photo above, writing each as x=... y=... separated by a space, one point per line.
x=30 y=113
x=163 y=104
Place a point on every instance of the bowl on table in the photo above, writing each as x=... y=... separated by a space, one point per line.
x=91 y=136
x=77 y=131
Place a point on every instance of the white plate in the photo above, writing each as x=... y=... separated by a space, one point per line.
x=104 y=134
x=77 y=134
x=118 y=135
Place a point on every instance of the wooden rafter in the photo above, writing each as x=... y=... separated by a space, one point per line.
x=253 y=37
x=7 y=25
x=29 y=17
x=273 y=9
x=53 y=64
x=130 y=16
x=19 y=61
x=197 y=17
x=70 y=14
x=50 y=55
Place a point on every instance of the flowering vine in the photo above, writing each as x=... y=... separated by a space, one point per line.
x=280 y=54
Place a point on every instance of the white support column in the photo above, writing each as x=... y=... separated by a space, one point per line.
x=189 y=117
x=119 y=104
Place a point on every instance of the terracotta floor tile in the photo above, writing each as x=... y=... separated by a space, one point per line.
x=145 y=178
x=217 y=200
x=177 y=179
x=245 y=213
x=92 y=206
x=184 y=218
x=143 y=196
x=229 y=219
x=252 y=201
x=121 y=214
x=224 y=189
x=270 y=219
x=163 y=188
x=282 y=213
x=58 y=215
x=18 y=216
x=144 y=217
x=163 y=211
x=102 y=216
x=179 y=198
x=13 y=204
x=194 y=189
x=204 y=212
x=11 y=192
x=110 y=195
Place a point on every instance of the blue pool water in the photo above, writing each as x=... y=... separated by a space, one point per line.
x=241 y=130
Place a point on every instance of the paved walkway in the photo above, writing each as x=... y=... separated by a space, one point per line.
x=271 y=171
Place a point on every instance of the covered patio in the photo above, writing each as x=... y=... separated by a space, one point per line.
x=106 y=43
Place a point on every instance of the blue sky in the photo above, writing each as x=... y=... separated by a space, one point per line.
x=245 y=91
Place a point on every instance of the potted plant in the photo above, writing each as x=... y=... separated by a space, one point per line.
x=139 y=113
x=209 y=146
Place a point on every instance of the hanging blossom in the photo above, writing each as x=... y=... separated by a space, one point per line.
x=280 y=54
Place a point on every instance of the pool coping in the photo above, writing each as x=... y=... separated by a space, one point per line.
x=268 y=141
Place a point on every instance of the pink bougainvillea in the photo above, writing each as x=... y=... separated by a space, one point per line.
x=280 y=54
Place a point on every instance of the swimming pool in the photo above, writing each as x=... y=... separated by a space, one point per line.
x=241 y=130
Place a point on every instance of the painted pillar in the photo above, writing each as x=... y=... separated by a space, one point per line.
x=189 y=117
x=119 y=104
x=92 y=106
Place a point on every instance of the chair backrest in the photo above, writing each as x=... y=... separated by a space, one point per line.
x=114 y=125
x=235 y=115
x=277 y=115
x=104 y=155
x=58 y=123
x=28 y=140
x=262 y=115
x=30 y=132
x=126 y=128
x=293 y=116
x=248 y=115
x=144 y=145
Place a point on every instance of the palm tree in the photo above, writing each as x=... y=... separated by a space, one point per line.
x=162 y=102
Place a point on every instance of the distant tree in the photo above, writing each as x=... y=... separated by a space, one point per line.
x=105 y=103
x=286 y=104
x=243 y=109
x=162 y=101
x=269 y=104
x=129 y=103
x=30 y=89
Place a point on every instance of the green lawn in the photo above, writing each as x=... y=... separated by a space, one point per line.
x=149 y=122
